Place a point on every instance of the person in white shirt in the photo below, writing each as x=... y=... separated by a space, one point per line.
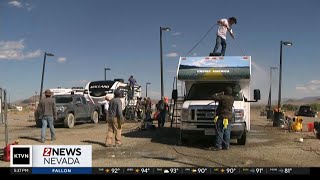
x=224 y=26
x=106 y=105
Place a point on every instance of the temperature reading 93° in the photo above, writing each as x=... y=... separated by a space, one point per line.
x=230 y=170
x=174 y=170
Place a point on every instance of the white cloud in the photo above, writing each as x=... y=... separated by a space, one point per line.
x=194 y=54
x=15 y=4
x=13 y=50
x=176 y=34
x=312 y=86
x=174 y=45
x=315 y=81
x=18 y=4
x=61 y=59
x=172 y=55
x=29 y=7
x=83 y=81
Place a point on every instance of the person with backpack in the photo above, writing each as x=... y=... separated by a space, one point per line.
x=162 y=108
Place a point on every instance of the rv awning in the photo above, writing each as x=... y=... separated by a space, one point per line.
x=214 y=68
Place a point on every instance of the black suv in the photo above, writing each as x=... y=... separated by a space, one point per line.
x=306 y=111
x=74 y=108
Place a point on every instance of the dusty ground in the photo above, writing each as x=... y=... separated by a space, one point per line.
x=267 y=146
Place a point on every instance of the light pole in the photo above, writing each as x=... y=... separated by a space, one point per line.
x=147 y=88
x=270 y=96
x=269 y=111
x=105 y=73
x=43 y=67
x=286 y=43
x=278 y=115
x=161 y=56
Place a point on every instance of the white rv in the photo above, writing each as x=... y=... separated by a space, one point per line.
x=97 y=90
x=205 y=76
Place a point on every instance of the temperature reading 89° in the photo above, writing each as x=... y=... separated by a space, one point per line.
x=230 y=170
x=287 y=170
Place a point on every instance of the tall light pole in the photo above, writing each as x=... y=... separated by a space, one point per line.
x=278 y=115
x=147 y=88
x=105 y=73
x=286 y=43
x=161 y=56
x=43 y=67
x=270 y=96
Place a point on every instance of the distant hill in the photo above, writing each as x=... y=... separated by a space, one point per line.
x=306 y=100
x=27 y=101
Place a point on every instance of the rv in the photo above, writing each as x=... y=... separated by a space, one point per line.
x=205 y=76
x=96 y=91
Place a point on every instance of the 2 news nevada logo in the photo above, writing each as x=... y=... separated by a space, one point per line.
x=62 y=156
x=21 y=156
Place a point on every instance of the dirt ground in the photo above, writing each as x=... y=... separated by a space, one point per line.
x=266 y=146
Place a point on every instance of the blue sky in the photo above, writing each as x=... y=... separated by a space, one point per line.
x=88 y=35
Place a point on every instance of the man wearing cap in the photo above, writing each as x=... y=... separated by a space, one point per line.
x=47 y=113
x=223 y=118
x=115 y=120
x=224 y=26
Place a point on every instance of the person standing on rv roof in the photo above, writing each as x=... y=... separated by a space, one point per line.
x=224 y=26
x=132 y=82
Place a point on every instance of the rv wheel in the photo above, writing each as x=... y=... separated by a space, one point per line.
x=243 y=139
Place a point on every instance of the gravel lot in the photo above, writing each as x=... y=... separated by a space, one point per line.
x=267 y=146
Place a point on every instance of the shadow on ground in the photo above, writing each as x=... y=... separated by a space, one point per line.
x=170 y=136
x=94 y=142
x=30 y=138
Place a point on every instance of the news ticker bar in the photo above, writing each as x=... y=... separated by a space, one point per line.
x=167 y=170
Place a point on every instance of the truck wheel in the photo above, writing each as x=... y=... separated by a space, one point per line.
x=69 y=121
x=95 y=117
x=243 y=139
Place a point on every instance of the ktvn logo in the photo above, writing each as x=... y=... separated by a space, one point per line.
x=21 y=156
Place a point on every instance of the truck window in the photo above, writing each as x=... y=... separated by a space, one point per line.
x=84 y=101
x=204 y=91
x=62 y=100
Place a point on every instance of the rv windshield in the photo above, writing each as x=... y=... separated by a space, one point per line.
x=100 y=88
x=204 y=91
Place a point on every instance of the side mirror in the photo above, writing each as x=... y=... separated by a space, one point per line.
x=85 y=92
x=256 y=94
x=174 y=94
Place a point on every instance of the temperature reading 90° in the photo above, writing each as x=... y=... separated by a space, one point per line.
x=230 y=170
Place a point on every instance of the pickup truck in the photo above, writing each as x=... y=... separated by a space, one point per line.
x=72 y=109
x=306 y=111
